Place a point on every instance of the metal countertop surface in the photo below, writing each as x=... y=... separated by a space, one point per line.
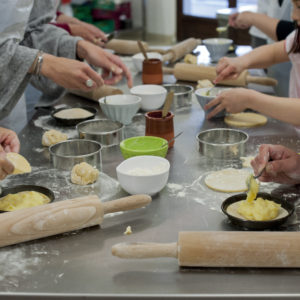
x=79 y=265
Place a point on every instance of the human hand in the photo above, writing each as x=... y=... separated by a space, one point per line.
x=228 y=68
x=284 y=166
x=6 y=167
x=112 y=66
x=85 y=30
x=70 y=73
x=233 y=101
x=240 y=20
x=9 y=141
x=88 y=32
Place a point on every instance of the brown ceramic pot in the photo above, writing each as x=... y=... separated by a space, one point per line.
x=158 y=126
x=152 y=71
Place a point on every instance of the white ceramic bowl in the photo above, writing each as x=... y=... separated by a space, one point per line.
x=120 y=108
x=205 y=95
x=153 y=96
x=217 y=47
x=138 y=59
x=144 y=174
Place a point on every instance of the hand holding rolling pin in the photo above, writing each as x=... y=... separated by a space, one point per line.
x=229 y=68
x=284 y=167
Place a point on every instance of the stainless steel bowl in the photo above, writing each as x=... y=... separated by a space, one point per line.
x=104 y=131
x=182 y=95
x=222 y=143
x=66 y=154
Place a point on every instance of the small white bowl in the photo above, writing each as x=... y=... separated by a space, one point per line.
x=138 y=59
x=217 y=47
x=153 y=96
x=143 y=174
x=205 y=95
x=120 y=108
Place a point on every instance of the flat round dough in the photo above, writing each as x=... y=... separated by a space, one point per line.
x=52 y=137
x=73 y=113
x=246 y=119
x=228 y=180
x=20 y=163
x=83 y=174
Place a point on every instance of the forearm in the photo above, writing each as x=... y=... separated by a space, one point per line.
x=265 y=56
x=280 y=108
x=265 y=24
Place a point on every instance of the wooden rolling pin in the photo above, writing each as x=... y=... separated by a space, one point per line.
x=223 y=249
x=62 y=216
x=125 y=46
x=189 y=72
x=181 y=49
x=96 y=94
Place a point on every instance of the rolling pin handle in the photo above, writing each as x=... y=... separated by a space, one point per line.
x=261 y=80
x=126 y=203
x=167 y=70
x=145 y=250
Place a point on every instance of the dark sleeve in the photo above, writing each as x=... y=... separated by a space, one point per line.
x=284 y=28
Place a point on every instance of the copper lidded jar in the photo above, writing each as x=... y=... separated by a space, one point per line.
x=152 y=71
x=158 y=126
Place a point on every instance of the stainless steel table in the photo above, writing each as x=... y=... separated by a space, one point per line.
x=79 y=265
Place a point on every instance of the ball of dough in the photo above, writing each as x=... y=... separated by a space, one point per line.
x=20 y=163
x=52 y=137
x=83 y=174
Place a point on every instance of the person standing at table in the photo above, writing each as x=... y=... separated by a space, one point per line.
x=33 y=50
x=237 y=100
x=273 y=20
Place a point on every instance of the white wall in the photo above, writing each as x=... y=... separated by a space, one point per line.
x=160 y=16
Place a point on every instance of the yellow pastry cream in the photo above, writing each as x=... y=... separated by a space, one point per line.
x=259 y=209
x=21 y=200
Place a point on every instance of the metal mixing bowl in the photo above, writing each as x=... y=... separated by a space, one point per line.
x=182 y=95
x=104 y=131
x=66 y=154
x=222 y=143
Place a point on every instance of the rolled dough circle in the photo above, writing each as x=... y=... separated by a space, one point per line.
x=246 y=119
x=228 y=180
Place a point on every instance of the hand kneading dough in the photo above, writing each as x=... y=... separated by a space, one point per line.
x=83 y=174
x=20 y=163
x=52 y=137
x=228 y=180
x=245 y=120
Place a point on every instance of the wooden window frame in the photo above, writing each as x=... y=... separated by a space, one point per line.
x=191 y=26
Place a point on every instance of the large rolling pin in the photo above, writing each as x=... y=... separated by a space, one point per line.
x=223 y=249
x=62 y=216
x=189 y=72
x=181 y=49
x=96 y=94
x=125 y=46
